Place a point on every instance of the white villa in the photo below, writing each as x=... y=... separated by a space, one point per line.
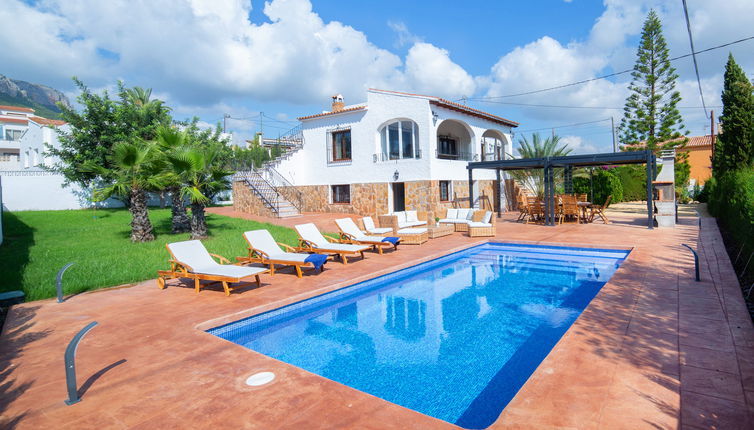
x=396 y=151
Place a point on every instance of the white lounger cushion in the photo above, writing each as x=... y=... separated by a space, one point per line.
x=311 y=234
x=487 y=216
x=470 y=215
x=452 y=213
x=370 y=227
x=194 y=255
x=401 y=217
x=452 y=221
x=480 y=224
x=263 y=241
x=346 y=225
x=412 y=216
x=462 y=213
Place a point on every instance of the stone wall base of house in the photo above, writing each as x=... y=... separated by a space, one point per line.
x=244 y=200
x=373 y=199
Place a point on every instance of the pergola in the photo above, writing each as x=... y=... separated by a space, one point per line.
x=568 y=163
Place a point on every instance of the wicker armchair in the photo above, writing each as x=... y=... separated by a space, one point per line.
x=391 y=221
x=484 y=230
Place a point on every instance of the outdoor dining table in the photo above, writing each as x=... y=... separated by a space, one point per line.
x=584 y=206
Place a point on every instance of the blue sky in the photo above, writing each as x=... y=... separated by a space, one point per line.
x=286 y=57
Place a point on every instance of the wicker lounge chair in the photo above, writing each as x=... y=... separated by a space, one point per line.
x=311 y=240
x=263 y=249
x=483 y=224
x=350 y=233
x=191 y=260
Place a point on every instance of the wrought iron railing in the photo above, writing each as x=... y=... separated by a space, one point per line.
x=459 y=155
x=381 y=156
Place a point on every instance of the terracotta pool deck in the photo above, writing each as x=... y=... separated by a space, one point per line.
x=654 y=349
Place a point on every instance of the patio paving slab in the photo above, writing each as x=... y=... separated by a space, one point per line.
x=654 y=349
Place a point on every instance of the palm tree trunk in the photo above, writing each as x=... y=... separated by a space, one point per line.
x=141 y=227
x=181 y=222
x=198 y=221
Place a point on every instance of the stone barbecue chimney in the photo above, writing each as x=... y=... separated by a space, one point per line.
x=337 y=103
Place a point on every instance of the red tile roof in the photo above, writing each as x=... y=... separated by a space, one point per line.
x=16 y=108
x=699 y=141
x=14 y=120
x=437 y=101
x=456 y=106
x=351 y=109
x=692 y=142
x=47 y=121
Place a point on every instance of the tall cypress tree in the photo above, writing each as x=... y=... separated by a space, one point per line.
x=651 y=119
x=735 y=145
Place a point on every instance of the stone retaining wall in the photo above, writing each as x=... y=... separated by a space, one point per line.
x=372 y=199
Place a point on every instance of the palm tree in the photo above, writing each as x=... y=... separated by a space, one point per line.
x=135 y=171
x=170 y=139
x=202 y=175
x=534 y=180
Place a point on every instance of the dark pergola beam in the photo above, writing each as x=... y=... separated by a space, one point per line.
x=568 y=162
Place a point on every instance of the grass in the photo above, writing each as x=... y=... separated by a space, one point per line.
x=39 y=243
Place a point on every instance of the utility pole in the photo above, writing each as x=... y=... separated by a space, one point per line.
x=225 y=122
x=612 y=126
x=261 y=125
x=712 y=134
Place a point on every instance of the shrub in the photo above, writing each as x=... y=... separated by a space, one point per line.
x=731 y=200
x=634 y=182
x=605 y=183
x=703 y=195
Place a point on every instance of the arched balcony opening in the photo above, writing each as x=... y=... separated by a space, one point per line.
x=492 y=146
x=454 y=141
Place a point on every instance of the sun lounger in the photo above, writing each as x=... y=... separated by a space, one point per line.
x=370 y=228
x=311 y=240
x=351 y=233
x=191 y=260
x=263 y=249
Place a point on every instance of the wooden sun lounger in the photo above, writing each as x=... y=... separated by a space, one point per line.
x=348 y=234
x=258 y=255
x=324 y=244
x=184 y=269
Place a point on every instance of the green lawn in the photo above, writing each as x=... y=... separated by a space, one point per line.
x=38 y=243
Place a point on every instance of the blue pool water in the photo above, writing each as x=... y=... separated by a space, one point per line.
x=454 y=338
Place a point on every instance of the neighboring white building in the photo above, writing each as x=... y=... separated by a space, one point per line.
x=395 y=151
x=25 y=184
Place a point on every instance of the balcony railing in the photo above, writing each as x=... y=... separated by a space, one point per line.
x=380 y=157
x=460 y=156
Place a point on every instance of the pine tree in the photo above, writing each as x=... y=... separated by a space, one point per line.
x=651 y=119
x=735 y=145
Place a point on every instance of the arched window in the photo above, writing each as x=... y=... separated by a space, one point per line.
x=400 y=139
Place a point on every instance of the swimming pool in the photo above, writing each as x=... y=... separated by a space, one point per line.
x=454 y=338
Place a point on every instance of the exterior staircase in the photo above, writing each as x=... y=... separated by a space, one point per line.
x=277 y=194
x=272 y=198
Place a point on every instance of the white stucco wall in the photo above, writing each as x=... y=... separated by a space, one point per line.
x=309 y=166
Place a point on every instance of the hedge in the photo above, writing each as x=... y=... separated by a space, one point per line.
x=605 y=183
x=731 y=201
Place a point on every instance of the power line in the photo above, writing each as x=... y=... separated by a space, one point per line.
x=574 y=107
x=693 y=55
x=563 y=126
x=608 y=75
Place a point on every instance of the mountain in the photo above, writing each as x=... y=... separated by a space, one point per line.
x=39 y=97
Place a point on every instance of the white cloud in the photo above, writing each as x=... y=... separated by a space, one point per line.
x=202 y=51
x=405 y=37
x=430 y=70
x=578 y=145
